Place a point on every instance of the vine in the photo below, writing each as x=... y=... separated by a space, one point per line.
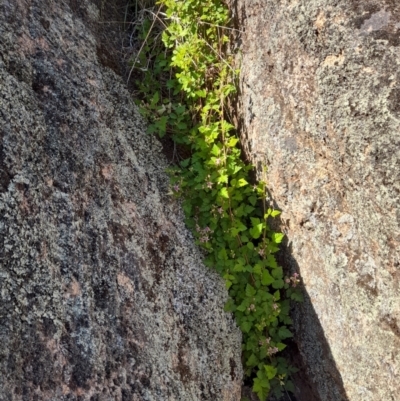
x=184 y=78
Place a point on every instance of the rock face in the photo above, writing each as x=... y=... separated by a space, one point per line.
x=320 y=106
x=103 y=293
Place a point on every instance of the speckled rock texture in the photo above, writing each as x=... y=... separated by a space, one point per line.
x=320 y=106
x=103 y=292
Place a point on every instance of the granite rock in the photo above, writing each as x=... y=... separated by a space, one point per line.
x=320 y=108
x=103 y=293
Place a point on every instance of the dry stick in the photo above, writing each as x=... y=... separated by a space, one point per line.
x=287 y=394
x=141 y=47
x=222 y=59
x=220 y=26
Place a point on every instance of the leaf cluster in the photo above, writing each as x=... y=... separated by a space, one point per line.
x=185 y=81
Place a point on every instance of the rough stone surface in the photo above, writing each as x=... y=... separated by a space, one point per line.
x=103 y=293
x=320 y=106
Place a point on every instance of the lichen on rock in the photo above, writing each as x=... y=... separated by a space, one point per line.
x=319 y=107
x=103 y=292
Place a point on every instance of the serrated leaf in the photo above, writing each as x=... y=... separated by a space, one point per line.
x=248 y=209
x=201 y=93
x=281 y=346
x=223 y=178
x=250 y=291
x=241 y=183
x=256 y=231
x=257 y=269
x=284 y=333
x=224 y=192
x=270 y=371
x=185 y=163
x=297 y=296
x=277 y=237
x=155 y=99
x=266 y=279
x=229 y=306
x=277 y=273
x=244 y=238
x=241 y=226
x=271 y=261
x=239 y=268
x=252 y=361
x=215 y=150
x=250 y=245
x=278 y=284
x=232 y=142
x=255 y=221
x=290 y=386
x=236 y=169
x=261 y=389
x=222 y=254
x=246 y=326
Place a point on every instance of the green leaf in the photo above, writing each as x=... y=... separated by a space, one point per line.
x=250 y=245
x=250 y=291
x=278 y=284
x=215 y=150
x=266 y=279
x=244 y=238
x=223 y=178
x=185 y=163
x=284 y=333
x=229 y=306
x=155 y=99
x=271 y=261
x=241 y=183
x=297 y=296
x=252 y=361
x=256 y=231
x=232 y=142
x=201 y=93
x=277 y=273
x=270 y=371
x=290 y=386
x=275 y=213
x=246 y=326
x=224 y=193
x=261 y=388
x=222 y=254
x=281 y=346
x=248 y=209
x=277 y=237
x=257 y=269
x=239 y=268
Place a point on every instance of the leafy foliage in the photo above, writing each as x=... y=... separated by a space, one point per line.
x=185 y=80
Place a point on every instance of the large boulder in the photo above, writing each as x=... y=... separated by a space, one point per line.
x=103 y=294
x=320 y=107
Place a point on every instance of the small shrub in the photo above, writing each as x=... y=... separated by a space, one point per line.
x=184 y=81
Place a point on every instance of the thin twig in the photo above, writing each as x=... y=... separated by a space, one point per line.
x=141 y=47
x=220 y=26
x=288 y=394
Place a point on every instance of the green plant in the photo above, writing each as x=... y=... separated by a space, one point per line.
x=185 y=80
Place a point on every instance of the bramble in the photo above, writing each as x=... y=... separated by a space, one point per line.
x=185 y=80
